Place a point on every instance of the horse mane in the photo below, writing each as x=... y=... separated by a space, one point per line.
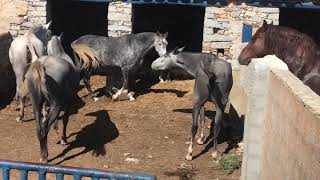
x=144 y=37
x=279 y=38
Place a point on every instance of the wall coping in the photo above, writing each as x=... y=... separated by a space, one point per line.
x=303 y=93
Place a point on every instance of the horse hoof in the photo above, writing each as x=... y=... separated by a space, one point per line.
x=214 y=154
x=189 y=157
x=45 y=161
x=63 y=142
x=95 y=99
x=130 y=95
x=200 y=141
x=19 y=120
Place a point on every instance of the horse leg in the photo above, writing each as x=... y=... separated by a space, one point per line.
x=202 y=123
x=65 y=120
x=200 y=96
x=21 y=113
x=220 y=96
x=86 y=81
x=195 y=115
x=51 y=118
x=124 y=88
x=19 y=83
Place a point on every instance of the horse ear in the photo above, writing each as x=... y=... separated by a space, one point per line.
x=47 y=26
x=165 y=35
x=264 y=25
x=61 y=36
x=181 y=49
x=177 y=51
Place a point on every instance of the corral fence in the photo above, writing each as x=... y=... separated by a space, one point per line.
x=60 y=171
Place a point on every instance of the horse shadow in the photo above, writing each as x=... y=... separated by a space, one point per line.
x=232 y=129
x=92 y=137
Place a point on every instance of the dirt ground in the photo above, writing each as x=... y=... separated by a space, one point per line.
x=154 y=129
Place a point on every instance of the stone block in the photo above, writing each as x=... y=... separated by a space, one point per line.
x=212 y=23
x=273 y=16
x=39 y=3
x=217 y=38
x=215 y=10
x=236 y=14
x=118 y=16
x=270 y=10
x=118 y=28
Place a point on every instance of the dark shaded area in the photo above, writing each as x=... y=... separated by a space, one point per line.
x=183 y=23
x=7 y=76
x=302 y=20
x=232 y=129
x=77 y=18
x=183 y=174
x=92 y=137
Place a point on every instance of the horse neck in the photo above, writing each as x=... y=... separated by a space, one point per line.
x=191 y=65
x=145 y=41
x=56 y=49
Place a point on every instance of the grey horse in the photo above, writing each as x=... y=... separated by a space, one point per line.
x=99 y=54
x=53 y=79
x=18 y=51
x=213 y=82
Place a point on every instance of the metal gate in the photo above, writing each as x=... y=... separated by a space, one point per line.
x=60 y=171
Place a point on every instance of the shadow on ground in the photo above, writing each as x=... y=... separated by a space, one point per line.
x=92 y=137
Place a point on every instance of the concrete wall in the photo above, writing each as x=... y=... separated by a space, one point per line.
x=291 y=149
x=282 y=122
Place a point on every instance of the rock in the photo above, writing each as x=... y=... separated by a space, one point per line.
x=126 y=154
x=132 y=160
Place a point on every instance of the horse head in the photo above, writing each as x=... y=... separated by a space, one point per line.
x=256 y=48
x=168 y=60
x=42 y=32
x=54 y=46
x=161 y=43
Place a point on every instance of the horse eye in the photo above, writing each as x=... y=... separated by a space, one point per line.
x=180 y=62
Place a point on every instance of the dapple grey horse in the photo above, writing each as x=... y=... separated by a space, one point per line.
x=213 y=82
x=54 y=79
x=18 y=51
x=99 y=54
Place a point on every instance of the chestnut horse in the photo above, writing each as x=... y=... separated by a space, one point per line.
x=299 y=51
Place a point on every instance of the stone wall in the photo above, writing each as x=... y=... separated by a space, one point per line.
x=17 y=16
x=119 y=19
x=12 y=15
x=223 y=27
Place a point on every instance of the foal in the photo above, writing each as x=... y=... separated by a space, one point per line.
x=213 y=82
x=53 y=79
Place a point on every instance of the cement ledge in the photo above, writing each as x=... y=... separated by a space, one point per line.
x=303 y=93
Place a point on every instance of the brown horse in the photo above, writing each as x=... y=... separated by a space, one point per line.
x=299 y=51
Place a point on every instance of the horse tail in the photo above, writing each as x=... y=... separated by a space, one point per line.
x=36 y=74
x=23 y=89
x=87 y=56
x=34 y=55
